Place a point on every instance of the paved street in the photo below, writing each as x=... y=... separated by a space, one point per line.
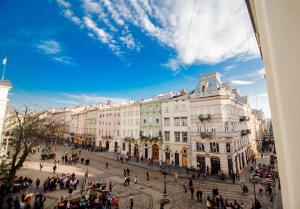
x=146 y=193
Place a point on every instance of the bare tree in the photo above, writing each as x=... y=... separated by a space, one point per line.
x=29 y=130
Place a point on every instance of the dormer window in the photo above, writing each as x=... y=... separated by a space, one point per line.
x=203 y=88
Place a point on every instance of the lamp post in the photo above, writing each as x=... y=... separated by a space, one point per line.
x=165 y=199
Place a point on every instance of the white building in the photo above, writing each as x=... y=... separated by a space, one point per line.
x=222 y=127
x=130 y=129
x=5 y=86
x=91 y=126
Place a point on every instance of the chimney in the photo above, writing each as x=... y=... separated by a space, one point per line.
x=183 y=92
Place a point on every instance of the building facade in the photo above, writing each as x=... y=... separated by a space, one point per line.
x=130 y=129
x=222 y=127
x=176 y=130
x=109 y=127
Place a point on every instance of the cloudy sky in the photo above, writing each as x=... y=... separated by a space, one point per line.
x=64 y=53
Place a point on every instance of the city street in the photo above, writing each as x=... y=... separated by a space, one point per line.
x=146 y=193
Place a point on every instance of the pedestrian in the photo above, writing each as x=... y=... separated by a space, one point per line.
x=199 y=194
x=142 y=158
x=233 y=177
x=147 y=174
x=54 y=168
x=135 y=179
x=131 y=201
x=17 y=203
x=41 y=166
x=191 y=188
x=175 y=176
x=162 y=206
x=106 y=165
x=184 y=186
x=37 y=183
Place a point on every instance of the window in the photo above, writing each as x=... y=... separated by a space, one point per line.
x=167 y=121
x=177 y=121
x=228 y=147
x=214 y=147
x=199 y=146
x=157 y=120
x=226 y=127
x=123 y=148
x=184 y=136
x=167 y=135
x=184 y=121
x=177 y=136
x=145 y=121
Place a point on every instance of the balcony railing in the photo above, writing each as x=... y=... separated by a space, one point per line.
x=244 y=118
x=207 y=134
x=204 y=117
x=245 y=132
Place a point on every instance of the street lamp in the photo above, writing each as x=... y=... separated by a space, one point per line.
x=165 y=199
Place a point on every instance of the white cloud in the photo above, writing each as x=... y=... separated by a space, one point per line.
x=241 y=82
x=64 y=59
x=101 y=34
x=64 y=3
x=219 y=29
x=49 y=47
x=90 y=98
x=71 y=102
x=54 y=50
x=173 y=64
x=229 y=68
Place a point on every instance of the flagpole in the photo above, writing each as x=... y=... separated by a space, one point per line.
x=4 y=67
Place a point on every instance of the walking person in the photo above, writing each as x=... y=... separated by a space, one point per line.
x=191 y=188
x=41 y=166
x=184 y=186
x=135 y=179
x=147 y=174
x=199 y=194
x=54 y=168
x=131 y=201
x=37 y=183
x=106 y=165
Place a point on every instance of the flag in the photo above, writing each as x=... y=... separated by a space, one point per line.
x=4 y=61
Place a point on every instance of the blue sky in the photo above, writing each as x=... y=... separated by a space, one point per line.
x=63 y=53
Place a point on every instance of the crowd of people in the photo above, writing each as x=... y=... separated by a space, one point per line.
x=100 y=196
x=61 y=181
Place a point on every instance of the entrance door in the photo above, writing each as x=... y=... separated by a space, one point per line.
x=107 y=145
x=215 y=165
x=201 y=163
x=230 y=166
x=177 y=159
x=116 y=147
x=168 y=157
x=155 y=152
x=146 y=153
x=129 y=149
x=184 y=160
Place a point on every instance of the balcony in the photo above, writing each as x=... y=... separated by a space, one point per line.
x=244 y=118
x=245 y=132
x=207 y=134
x=204 y=117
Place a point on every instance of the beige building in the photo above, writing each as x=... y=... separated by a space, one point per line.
x=176 y=130
x=91 y=126
x=109 y=127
